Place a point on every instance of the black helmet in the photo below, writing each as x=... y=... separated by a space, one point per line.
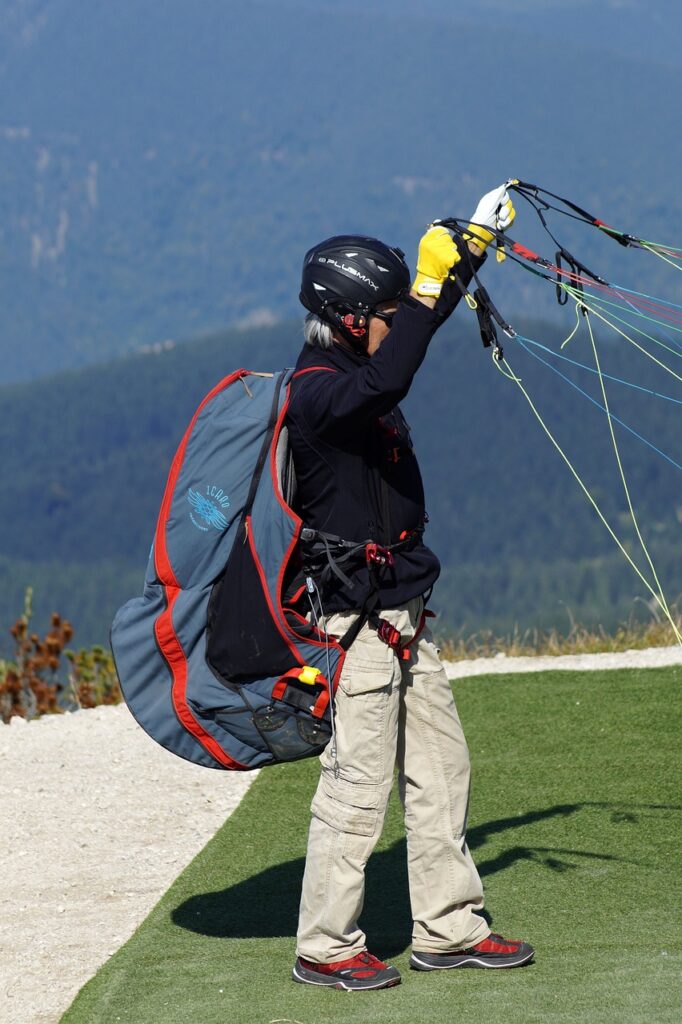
x=346 y=276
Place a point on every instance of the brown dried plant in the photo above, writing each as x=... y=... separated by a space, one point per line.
x=92 y=677
x=631 y=635
x=30 y=683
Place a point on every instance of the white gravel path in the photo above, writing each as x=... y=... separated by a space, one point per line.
x=96 y=821
x=653 y=657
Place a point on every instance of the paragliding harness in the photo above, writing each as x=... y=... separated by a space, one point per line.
x=224 y=659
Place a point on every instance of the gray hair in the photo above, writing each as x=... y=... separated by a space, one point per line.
x=317 y=332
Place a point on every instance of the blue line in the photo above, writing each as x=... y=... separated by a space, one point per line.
x=591 y=369
x=674 y=341
x=601 y=302
x=607 y=312
x=644 y=295
x=598 y=404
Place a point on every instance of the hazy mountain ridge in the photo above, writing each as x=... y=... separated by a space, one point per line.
x=507 y=520
x=163 y=168
x=157 y=181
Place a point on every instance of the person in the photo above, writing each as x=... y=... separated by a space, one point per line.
x=367 y=332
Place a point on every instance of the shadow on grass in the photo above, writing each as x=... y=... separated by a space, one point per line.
x=266 y=905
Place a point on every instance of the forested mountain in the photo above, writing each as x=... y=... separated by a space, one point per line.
x=87 y=453
x=164 y=166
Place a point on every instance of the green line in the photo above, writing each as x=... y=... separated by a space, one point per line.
x=660 y=597
x=642 y=241
x=517 y=380
x=601 y=303
x=647 y=244
x=593 y=309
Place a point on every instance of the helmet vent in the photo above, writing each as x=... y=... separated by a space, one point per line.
x=351 y=272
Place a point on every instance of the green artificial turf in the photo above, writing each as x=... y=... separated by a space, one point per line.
x=575 y=826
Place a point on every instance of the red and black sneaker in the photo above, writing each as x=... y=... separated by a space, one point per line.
x=362 y=971
x=491 y=952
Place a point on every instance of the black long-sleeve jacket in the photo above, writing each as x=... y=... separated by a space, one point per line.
x=356 y=471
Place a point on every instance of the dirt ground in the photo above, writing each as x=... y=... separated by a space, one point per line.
x=96 y=821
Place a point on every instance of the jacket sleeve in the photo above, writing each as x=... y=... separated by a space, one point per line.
x=347 y=402
x=451 y=294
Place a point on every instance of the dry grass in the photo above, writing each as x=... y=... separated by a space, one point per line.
x=31 y=684
x=580 y=640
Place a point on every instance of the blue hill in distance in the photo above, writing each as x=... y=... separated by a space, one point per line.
x=517 y=540
x=164 y=167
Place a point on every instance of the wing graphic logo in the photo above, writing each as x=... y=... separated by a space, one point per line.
x=205 y=512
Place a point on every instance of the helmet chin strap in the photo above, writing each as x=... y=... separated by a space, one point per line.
x=353 y=326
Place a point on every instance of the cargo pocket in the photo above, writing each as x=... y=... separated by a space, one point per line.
x=368 y=670
x=347 y=806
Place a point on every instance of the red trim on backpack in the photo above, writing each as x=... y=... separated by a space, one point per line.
x=171 y=649
x=321 y=704
x=322 y=699
x=164 y=631
x=294 y=599
x=298 y=522
x=298 y=657
x=164 y=569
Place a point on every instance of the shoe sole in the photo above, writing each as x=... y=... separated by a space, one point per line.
x=471 y=961
x=328 y=982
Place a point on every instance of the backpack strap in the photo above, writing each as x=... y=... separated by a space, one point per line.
x=265 y=447
x=312 y=369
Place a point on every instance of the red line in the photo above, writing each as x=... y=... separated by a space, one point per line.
x=524 y=252
x=659 y=309
x=166 y=637
x=297 y=522
x=666 y=312
x=172 y=651
x=674 y=253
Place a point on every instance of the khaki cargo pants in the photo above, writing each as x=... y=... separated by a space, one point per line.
x=391 y=712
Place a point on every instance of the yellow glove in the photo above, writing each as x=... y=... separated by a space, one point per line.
x=437 y=256
x=495 y=210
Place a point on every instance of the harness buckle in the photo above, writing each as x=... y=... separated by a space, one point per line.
x=377 y=555
x=389 y=635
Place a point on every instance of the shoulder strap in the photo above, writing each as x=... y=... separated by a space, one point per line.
x=312 y=369
x=265 y=447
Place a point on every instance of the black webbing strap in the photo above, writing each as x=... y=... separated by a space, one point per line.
x=265 y=447
x=525 y=186
x=531 y=193
x=335 y=552
x=487 y=314
x=368 y=607
x=351 y=551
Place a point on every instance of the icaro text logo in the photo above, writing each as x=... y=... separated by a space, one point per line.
x=206 y=508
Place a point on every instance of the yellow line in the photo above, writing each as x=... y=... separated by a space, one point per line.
x=586 y=492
